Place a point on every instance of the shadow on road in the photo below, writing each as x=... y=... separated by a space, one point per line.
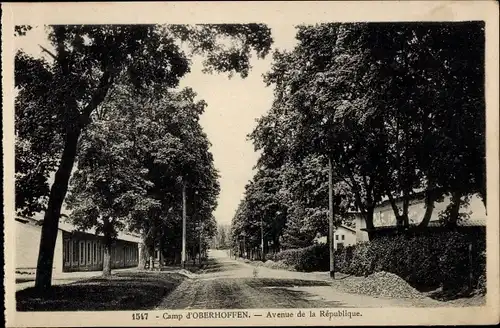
x=272 y=282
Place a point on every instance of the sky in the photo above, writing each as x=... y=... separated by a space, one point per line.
x=233 y=108
x=234 y=105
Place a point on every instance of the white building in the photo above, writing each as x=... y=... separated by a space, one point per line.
x=75 y=250
x=383 y=215
x=343 y=236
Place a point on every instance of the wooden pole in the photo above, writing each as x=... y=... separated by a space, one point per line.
x=471 y=277
x=244 y=247
x=330 y=218
x=201 y=237
x=183 y=254
x=262 y=238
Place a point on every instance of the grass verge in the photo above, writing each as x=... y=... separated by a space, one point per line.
x=121 y=291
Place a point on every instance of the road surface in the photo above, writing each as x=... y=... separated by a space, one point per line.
x=232 y=284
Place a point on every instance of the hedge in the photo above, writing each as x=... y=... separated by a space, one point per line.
x=431 y=260
x=312 y=258
x=422 y=260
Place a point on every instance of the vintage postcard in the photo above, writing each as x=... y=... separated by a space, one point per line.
x=251 y=163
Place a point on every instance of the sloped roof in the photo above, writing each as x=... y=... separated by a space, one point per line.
x=67 y=226
x=348 y=228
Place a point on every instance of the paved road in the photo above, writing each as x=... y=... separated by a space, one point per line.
x=231 y=284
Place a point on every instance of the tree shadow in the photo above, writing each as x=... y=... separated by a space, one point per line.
x=277 y=282
x=130 y=291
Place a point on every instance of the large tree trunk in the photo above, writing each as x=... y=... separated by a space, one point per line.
x=151 y=262
x=108 y=242
x=399 y=218
x=430 y=198
x=141 y=263
x=51 y=218
x=406 y=205
x=369 y=221
x=106 y=263
x=276 y=244
x=143 y=250
x=454 y=208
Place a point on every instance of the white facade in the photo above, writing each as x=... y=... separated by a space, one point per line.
x=384 y=215
x=27 y=247
x=74 y=250
x=343 y=236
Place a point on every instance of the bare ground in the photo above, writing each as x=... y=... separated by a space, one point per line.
x=232 y=284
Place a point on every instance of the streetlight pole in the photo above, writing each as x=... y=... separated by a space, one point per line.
x=183 y=254
x=201 y=238
x=330 y=218
x=262 y=238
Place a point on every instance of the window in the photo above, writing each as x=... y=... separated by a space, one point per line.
x=336 y=237
x=95 y=252
x=343 y=237
x=66 y=250
x=82 y=252
x=88 y=252
x=99 y=254
x=75 y=251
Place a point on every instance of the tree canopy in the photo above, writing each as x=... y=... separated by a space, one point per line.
x=59 y=97
x=398 y=108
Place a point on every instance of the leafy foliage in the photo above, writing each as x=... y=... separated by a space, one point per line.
x=396 y=110
x=64 y=95
x=432 y=260
x=307 y=259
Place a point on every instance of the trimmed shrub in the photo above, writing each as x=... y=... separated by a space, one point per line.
x=432 y=260
x=312 y=258
x=423 y=260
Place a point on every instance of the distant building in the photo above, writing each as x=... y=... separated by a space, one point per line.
x=74 y=250
x=343 y=236
x=384 y=219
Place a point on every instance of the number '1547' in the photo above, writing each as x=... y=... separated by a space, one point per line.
x=139 y=316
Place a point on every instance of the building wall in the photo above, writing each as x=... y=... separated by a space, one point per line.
x=361 y=236
x=74 y=251
x=341 y=235
x=344 y=236
x=384 y=215
x=27 y=247
x=85 y=252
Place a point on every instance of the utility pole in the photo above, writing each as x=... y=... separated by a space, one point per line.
x=330 y=218
x=244 y=247
x=183 y=254
x=201 y=237
x=262 y=238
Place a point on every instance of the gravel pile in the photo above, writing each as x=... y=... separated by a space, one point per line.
x=382 y=284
